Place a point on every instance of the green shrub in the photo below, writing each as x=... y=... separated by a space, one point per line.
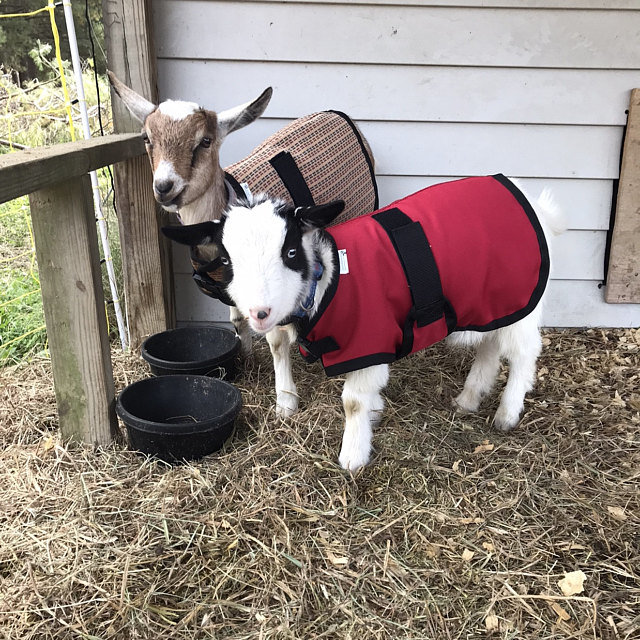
x=34 y=116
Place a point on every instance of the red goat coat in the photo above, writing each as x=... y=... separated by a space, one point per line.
x=317 y=158
x=468 y=255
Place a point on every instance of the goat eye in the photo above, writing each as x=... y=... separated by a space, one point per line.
x=145 y=139
x=224 y=260
x=291 y=253
x=205 y=143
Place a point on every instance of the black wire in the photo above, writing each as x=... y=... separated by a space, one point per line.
x=95 y=77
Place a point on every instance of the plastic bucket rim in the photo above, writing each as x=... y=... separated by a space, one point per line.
x=179 y=428
x=190 y=364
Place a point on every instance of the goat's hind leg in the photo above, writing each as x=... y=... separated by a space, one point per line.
x=481 y=377
x=280 y=340
x=521 y=351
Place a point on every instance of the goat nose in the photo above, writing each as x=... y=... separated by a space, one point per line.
x=259 y=314
x=163 y=186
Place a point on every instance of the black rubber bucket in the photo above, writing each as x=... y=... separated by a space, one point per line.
x=201 y=351
x=179 y=417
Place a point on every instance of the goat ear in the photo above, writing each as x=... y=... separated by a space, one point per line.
x=242 y=115
x=194 y=234
x=320 y=215
x=138 y=106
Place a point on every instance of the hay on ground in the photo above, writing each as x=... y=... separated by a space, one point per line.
x=454 y=531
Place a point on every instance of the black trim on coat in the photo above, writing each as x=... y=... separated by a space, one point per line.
x=240 y=194
x=543 y=275
x=363 y=147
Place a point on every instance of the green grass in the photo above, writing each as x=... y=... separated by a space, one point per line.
x=21 y=316
x=22 y=333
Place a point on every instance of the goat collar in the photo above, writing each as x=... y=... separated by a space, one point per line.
x=307 y=305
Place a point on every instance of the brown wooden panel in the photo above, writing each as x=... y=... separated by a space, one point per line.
x=146 y=260
x=140 y=245
x=25 y=171
x=623 y=279
x=69 y=266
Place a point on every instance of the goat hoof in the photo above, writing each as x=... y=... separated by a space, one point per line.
x=465 y=403
x=505 y=420
x=352 y=459
x=286 y=405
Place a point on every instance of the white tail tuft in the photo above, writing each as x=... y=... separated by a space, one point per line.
x=551 y=213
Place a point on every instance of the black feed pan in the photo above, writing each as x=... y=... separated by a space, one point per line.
x=179 y=417
x=206 y=351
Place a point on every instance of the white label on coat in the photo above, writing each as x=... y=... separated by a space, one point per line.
x=246 y=189
x=344 y=262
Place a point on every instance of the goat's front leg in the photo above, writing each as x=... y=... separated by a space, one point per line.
x=242 y=329
x=280 y=340
x=362 y=406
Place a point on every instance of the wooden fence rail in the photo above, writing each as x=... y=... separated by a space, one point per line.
x=69 y=267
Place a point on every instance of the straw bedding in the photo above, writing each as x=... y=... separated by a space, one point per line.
x=454 y=531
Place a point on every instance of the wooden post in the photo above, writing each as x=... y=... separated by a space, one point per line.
x=623 y=276
x=66 y=242
x=148 y=280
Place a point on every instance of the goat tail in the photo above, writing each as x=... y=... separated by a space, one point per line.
x=553 y=217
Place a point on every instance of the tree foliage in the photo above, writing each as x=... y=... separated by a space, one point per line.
x=19 y=36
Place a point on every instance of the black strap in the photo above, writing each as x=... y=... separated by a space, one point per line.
x=210 y=287
x=236 y=186
x=419 y=265
x=317 y=348
x=614 y=205
x=293 y=180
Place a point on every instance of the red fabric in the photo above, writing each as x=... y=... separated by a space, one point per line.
x=488 y=255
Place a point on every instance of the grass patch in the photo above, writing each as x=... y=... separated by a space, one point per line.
x=21 y=317
x=33 y=116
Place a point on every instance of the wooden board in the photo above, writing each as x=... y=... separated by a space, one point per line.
x=513 y=4
x=623 y=279
x=569 y=303
x=397 y=92
x=69 y=267
x=469 y=36
x=581 y=303
x=577 y=255
x=146 y=260
x=25 y=171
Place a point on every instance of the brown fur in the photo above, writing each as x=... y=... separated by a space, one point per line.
x=351 y=408
x=177 y=141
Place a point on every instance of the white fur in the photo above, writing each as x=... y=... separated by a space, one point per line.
x=280 y=340
x=177 y=109
x=165 y=171
x=253 y=239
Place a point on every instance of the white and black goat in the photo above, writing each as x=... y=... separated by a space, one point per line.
x=319 y=157
x=479 y=278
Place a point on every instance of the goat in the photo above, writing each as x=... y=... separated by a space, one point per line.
x=468 y=259
x=183 y=142
x=322 y=156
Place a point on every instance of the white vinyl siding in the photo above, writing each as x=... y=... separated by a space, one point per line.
x=536 y=90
